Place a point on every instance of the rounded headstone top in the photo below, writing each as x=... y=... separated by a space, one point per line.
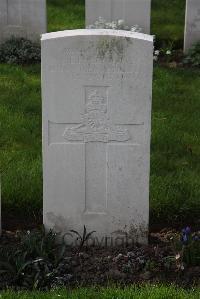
x=97 y=32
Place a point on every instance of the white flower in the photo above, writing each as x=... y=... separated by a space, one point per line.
x=136 y=28
x=115 y=25
x=178 y=256
x=182 y=267
x=120 y=22
x=168 y=52
x=157 y=52
x=101 y=20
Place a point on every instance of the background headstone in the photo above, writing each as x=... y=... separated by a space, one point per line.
x=22 y=18
x=133 y=12
x=96 y=131
x=192 y=24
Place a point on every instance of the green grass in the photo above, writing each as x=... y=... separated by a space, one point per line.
x=65 y=14
x=20 y=142
x=150 y=292
x=175 y=150
x=168 y=18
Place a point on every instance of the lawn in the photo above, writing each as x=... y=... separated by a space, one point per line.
x=151 y=292
x=175 y=150
x=20 y=142
x=168 y=18
x=65 y=14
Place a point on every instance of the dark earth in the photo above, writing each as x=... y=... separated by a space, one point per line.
x=157 y=262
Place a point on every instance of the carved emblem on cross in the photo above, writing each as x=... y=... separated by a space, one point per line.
x=96 y=126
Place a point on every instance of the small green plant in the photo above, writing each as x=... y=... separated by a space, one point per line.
x=166 y=52
x=150 y=265
x=190 y=247
x=39 y=262
x=13 y=263
x=20 y=51
x=187 y=249
x=193 y=56
x=38 y=243
x=84 y=237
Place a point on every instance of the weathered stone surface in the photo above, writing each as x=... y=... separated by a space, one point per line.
x=22 y=18
x=133 y=12
x=96 y=88
x=192 y=24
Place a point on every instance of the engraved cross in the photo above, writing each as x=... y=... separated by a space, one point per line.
x=96 y=131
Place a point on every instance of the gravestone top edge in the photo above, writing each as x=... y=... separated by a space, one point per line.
x=97 y=32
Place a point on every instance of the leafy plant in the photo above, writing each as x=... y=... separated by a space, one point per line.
x=39 y=262
x=84 y=237
x=166 y=52
x=13 y=264
x=20 y=51
x=190 y=247
x=193 y=56
x=38 y=243
x=115 y=25
x=150 y=265
x=187 y=249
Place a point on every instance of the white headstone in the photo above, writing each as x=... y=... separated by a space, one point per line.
x=96 y=131
x=192 y=24
x=133 y=12
x=22 y=18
